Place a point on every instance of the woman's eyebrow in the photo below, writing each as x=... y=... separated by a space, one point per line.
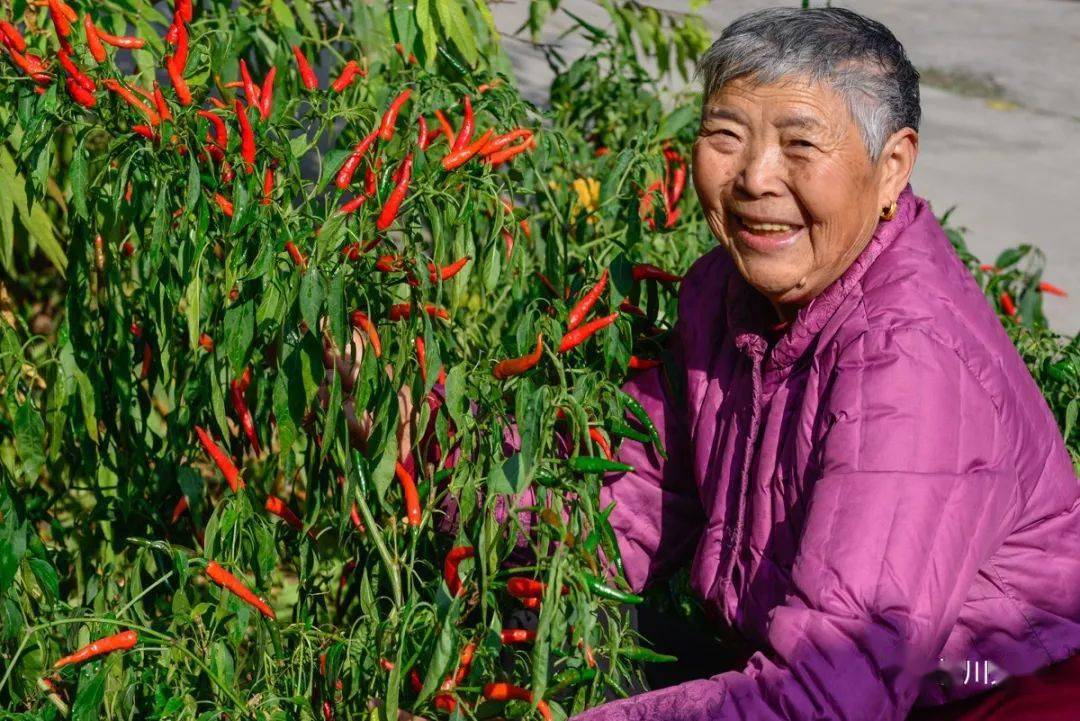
x=806 y=122
x=716 y=112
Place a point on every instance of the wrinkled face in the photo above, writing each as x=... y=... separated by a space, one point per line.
x=786 y=185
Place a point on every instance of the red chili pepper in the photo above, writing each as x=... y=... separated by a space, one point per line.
x=144 y=130
x=120 y=41
x=422 y=133
x=12 y=37
x=221 y=459
x=251 y=90
x=643 y=364
x=224 y=203
x=348 y=74
x=457 y=158
x=266 y=94
x=450 y=567
x=449 y=271
x=60 y=19
x=412 y=497
x=247 y=137
x=370 y=179
x=278 y=507
x=386 y=664
x=307 y=75
x=414 y=681
x=579 y=335
x=522 y=587
x=386 y=128
x=352 y=205
x=506 y=154
x=388 y=263
x=506 y=692
x=446 y=127
x=601 y=442
x=180 y=55
x=601 y=152
x=361 y=321
x=516 y=366
x=348 y=168
x=397 y=195
x=243 y=413
x=517 y=635
x=628 y=307
x=179 y=508
x=93 y=40
x=583 y=306
x=122 y=641
x=532 y=604
x=207 y=343
x=160 y=104
x=547 y=283
x=464 y=136
x=402 y=311
x=1052 y=289
x=501 y=141
x=1007 y=304
x=297 y=256
x=268 y=185
x=401 y=51
x=72 y=70
x=129 y=97
x=184 y=10
x=646 y=271
x=421 y=359
x=232 y=584
x=81 y=95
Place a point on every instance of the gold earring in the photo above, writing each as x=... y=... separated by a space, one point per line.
x=889 y=213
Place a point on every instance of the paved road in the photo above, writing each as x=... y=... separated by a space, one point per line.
x=1001 y=122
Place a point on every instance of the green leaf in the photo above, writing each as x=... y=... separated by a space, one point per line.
x=91 y=693
x=282 y=14
x=78 y=177
x=457 y=28
x=426 y=23
x=239 y=333
x=312 y=292
x=676 y=121
x=30 y=439
x=192 y=309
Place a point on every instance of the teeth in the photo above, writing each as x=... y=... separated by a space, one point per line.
x=766 y=227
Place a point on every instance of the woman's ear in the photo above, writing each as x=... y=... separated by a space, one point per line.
x=896 y=163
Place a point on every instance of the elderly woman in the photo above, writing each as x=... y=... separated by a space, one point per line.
x=868 y=482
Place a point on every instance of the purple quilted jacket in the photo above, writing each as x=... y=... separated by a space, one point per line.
x=881 y=501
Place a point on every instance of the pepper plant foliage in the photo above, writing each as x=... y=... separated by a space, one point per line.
x=155 y=284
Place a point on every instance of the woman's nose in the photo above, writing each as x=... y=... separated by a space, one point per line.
x=763 y=171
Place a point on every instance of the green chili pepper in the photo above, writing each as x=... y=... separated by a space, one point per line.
x=570 y=677
x=1062 y=372
x=593 y=539
x=639 y=412
x=546 y=480
x=611 y=548
x=597 y=587
x=621 y=429
x=593 y=464
x=646 y=655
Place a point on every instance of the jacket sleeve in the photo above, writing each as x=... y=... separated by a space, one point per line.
x=914 y=494
x=657 y=517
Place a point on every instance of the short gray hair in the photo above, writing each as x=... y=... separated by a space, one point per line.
x=858 y=57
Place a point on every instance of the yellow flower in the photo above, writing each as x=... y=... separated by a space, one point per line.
x=588 y=193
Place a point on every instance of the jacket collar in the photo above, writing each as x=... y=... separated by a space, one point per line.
x=750 y=316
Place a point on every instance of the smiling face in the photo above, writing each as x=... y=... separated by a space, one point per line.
x=787 y=185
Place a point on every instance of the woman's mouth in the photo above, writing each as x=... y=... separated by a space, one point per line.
x=766 y=236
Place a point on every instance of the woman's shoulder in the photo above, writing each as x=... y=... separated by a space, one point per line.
x=919 y=284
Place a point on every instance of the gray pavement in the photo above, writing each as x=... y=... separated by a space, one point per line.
x=1001 y=114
